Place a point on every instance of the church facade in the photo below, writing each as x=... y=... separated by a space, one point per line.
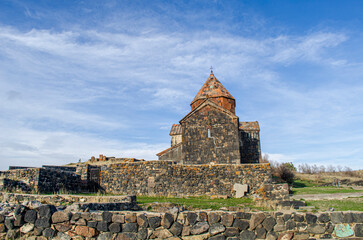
x=212 y=133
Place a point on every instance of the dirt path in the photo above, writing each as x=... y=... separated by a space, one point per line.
x=327 y=196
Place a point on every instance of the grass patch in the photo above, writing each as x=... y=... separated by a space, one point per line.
x=322 y=190
x=348 y=204
x=299 y=183
x=200 y=202
x=301 y=186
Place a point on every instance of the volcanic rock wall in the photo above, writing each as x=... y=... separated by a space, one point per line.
x=166 y=178
x=47 y=221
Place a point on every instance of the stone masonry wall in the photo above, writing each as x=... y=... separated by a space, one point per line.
x=250 y=148
x=166 y=178
x=41 y=180
x=51 y=181
x=49 y=223
x=25 y=180
x=174 y=153
x=222 y=148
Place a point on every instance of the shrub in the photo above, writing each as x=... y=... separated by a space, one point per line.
x=284 y=172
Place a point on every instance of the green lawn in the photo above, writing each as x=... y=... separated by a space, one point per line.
x=352 y=204
x=321 y=190
x=200 y=202
x=309 y=187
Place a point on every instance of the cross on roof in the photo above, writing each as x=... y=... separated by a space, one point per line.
x=211 y=69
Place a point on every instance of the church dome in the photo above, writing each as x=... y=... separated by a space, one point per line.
x=216 y=92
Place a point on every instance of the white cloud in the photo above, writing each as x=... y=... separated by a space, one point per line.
x=69 y=78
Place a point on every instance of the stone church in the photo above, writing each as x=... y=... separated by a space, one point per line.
x=212 y=133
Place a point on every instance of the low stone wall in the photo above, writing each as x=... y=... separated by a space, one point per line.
x=60 y=199
x=41 y=180
x=166 y=178
x=20 y=180
x=46 y=221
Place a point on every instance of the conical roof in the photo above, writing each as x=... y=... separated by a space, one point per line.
x=212 y=88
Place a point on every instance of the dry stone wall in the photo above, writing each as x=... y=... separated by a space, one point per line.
x=166 y=178
x=50 y=223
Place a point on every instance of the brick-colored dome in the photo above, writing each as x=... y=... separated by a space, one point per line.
x=215 y=91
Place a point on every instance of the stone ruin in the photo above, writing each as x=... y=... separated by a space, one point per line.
x=212 y=153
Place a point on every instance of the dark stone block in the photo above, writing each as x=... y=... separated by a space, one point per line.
x=19 y=211
x=48 y=233
x=272 y=235
x=92 y=224
x=324 y=218
x=13 y=234
x=46 y=211
x=231 y=232
x=227 y=219
x=358 y=217
x=260 y=232
x=311 y=218
x=102 y=236
x=30 y=216
x=269 y=223
x=286 y=217
x=38 y=231
x=326 y=236
x=115 y=227
x=142 y=221
x=199 y=228
x=107 y=217
x=192 y=218
x=337 y=217
x=217 y=237
x=316 y=228
x=358 y=230
x=176 y=229
x=243 y=215
x=42 y=223
x=348 y=217
x=241 y=224
x=75 y=217
x=256 y=219
x=9 y=223
x=248 y=235
x=330 y=228
x=299 y=218
x=129 y=227
x=155 y=222
x=102 y=226
x=126 y=236
x=142 y=234
x=19 y=221
x=214 y=217
x=216 y=228
x=290 y=225
x=167 y=221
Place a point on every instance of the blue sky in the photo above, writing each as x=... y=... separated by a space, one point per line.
x=82 y=78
